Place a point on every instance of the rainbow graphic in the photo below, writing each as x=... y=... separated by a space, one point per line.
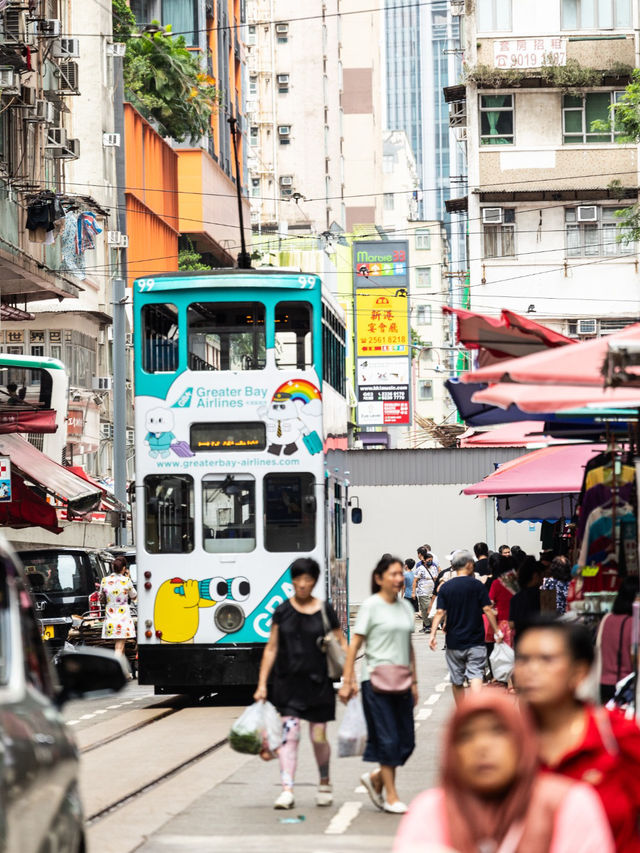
x=299 y=389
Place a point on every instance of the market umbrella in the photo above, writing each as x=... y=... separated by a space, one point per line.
x=580 y=364
x=540 y=398
x=519 y=434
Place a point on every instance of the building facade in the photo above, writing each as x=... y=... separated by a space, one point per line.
x=547 y=170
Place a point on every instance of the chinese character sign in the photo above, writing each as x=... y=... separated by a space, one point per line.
x=380 y=263
x=382 y=322
x=5 y=479
x=529 y=52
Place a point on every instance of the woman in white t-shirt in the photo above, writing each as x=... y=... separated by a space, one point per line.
x=389 y=684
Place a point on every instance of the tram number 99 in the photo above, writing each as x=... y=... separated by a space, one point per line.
x=145 y=285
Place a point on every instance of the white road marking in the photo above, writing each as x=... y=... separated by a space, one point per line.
x=73 y=722
x=440 y=688
x=113 y=707
x=87 y=716
x=360 y=790
x=433 y=699
x=101 y=711
x=342 y=820
x=423 y=714
x=416 y=725
x=447 y=678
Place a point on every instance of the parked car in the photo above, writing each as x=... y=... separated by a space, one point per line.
x=61 y=581
x=129 y=552
x=39 y=801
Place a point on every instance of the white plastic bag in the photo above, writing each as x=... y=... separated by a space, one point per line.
x=258 y=728
x=502 y=660
x=352 y=734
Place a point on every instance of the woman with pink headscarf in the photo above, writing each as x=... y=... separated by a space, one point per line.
x=493 y=797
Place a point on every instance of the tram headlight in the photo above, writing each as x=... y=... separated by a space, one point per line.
x=228 y=618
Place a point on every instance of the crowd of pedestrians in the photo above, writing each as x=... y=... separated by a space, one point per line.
x=527 y=765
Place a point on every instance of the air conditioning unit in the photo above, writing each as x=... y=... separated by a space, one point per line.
x=457 y=8
x=492 y=215
x=66 y=48
x=114 y=238
x=286 y=181
x=27 y=97
x=283 y=79
x=458 y=114
x=68 y=78
x=56 y=137
x=282 y=29
x=45 y=111
x=111 y=140
x=9 y=81
x=587 y=327
x=47 y=27
x=130 y=436
x=284 y=130
x=106 y=430
x=14 y=28
x=117 y=48
x=587 y=213
x=461 y=134
x=101 y=383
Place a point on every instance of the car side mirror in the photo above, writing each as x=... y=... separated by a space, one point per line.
x=356 y=515
x=90 y=674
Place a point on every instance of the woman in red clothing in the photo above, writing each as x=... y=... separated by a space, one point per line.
x=493 y=796
x=589 y=744
x=503 y=588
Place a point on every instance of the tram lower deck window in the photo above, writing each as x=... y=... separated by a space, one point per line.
x=226 y=336
x=228 y=513
x=168 y=525
x=289 y=512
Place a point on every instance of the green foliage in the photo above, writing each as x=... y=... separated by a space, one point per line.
x=124 y=22
x=164 y=81
x=416 y=340
x=191 y=261
x=570 y=77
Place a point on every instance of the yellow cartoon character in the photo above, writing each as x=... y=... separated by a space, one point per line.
x=178 y=603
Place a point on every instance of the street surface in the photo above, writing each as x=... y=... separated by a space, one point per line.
x=157 y=776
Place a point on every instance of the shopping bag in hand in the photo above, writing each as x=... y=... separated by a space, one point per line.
x=257 y=729
x=502 y=660
x=352 y=734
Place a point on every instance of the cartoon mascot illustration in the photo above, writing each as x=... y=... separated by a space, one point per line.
x=159 y=426
x=292 y=403
x=177 y=607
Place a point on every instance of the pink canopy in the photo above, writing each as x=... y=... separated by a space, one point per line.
x=580 y=364
x=538 y=399
x=518 y=434
x=551 y=470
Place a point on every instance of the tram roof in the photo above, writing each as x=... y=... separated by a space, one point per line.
x=30 y=361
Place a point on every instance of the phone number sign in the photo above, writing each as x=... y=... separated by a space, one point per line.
x=529 y=53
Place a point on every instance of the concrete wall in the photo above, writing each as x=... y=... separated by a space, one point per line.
x=400 y=518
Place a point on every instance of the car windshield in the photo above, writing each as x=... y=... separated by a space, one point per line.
x=55 y=573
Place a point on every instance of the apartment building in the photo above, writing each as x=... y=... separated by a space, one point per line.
x=207 y=204
x=59 y=148
x=296 y=157
x=545 y=182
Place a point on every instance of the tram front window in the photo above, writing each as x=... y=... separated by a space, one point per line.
x=226 y=336
x=294 y=349
x=289 y=512
x=169 y=514
x=228 y=513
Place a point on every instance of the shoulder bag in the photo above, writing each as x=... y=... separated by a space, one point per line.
x=330 y=645
x=392 y=677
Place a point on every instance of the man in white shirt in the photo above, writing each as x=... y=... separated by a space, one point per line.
x=424 y=585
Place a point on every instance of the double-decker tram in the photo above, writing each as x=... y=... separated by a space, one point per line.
x=239 y=384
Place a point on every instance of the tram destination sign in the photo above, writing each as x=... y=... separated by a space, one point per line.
x=218 y=437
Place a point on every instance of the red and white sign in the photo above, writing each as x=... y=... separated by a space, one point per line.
x=529 y=53
x=395 y=413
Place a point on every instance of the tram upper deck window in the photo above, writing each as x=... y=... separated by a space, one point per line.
x=289 y=512
x=226 y=336
x=25 y=388
x=159 y=338
x=294 y=349
x=228 y=513
x=169 y=514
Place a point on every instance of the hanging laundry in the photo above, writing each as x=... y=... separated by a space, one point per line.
x=70 y=259
x=42 y=214
x=87 y=229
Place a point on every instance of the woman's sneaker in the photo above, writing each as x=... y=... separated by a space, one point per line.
x=285 y=801
x=324 y=795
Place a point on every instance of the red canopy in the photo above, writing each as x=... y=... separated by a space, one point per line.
x=580 y=364
x=26 y=509
x=506 y=337
x=538 y=399
x=27 y=420
x=551 y=470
